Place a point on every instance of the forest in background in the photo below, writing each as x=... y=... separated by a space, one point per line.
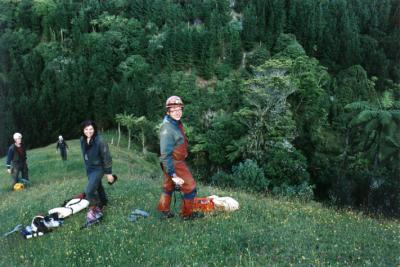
x=291 y=97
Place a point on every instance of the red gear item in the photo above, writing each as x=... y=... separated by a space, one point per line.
x=173 y=101
x=203 y=204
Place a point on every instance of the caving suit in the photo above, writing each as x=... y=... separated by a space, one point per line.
x=174 y=150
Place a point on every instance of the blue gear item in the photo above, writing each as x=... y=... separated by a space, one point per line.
x=24 y=181
x=91 y=223
x=136 y=214
x=16 y=229
x=26 y=234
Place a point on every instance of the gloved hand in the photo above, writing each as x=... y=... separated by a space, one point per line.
x=178 y=181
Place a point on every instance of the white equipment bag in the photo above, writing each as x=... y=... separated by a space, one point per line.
x=73 y=206
x=225 y=203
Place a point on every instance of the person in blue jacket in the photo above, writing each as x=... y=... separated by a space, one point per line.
x=98 y=162
x=16 y=160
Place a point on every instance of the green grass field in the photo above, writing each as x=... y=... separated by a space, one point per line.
x=264 y=232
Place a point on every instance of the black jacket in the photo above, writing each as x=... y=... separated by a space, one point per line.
x=14 y=158
x=96 y=154
x=61 y=145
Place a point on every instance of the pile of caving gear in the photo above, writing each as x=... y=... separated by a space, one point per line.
x=43 y=224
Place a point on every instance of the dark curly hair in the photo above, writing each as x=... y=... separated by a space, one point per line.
x=87 y=123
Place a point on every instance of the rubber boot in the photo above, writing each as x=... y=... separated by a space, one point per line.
x=187 y=207
x=187 y=211
x=164 y=206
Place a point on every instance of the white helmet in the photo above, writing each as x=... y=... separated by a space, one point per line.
x=17 y=136
x=60 y=137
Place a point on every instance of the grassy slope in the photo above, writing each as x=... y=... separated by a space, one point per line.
x=264 y=231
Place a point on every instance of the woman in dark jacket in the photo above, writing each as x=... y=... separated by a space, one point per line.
x=98 y=162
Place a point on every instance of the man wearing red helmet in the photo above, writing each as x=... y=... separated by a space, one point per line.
x=174 y=150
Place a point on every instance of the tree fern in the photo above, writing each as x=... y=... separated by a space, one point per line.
x=359 y=105
x=380 y=121
x=363 y=117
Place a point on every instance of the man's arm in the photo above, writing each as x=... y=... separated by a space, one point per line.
x=167 y=143
x=10 y=155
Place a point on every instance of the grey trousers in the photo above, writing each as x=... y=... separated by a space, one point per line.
x=94 y=190
x=17 y=169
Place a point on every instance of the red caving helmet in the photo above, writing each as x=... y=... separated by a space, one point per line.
x=174 y=101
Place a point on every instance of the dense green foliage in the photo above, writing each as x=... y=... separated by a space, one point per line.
x=265 y=231
x=307 y=90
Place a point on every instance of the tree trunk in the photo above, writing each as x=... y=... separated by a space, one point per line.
x=377 y=151
x=343 y=166
x=143 y=142
x=129 y=138
x=119 y=133
x=398 y=166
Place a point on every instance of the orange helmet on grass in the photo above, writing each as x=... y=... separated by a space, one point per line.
x=19 y=187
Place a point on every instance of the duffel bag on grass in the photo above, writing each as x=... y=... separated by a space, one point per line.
x=224 y=203
x=71 y=207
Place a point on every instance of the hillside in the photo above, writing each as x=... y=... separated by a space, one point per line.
x=309 y=106
x=264 y=232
